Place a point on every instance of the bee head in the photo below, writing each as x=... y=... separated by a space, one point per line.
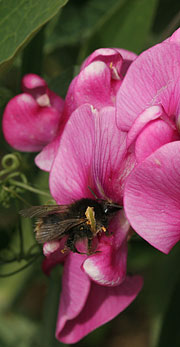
x=110 y=208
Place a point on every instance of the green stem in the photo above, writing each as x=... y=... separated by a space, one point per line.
x=21 y=269
x=27 y=187
x=16 y=195
x=14 y=162
x=25 y=257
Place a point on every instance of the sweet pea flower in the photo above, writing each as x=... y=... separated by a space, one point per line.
x=92 y=158
x=31 y=119
x=97 y=83
x=34 y=121
x=148 y=109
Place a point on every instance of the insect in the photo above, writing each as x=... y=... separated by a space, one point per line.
x=83 y=219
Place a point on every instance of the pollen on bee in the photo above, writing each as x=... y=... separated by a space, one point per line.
x=38 y=225
x=90 y=215
x=104 y=229
x=64 y=250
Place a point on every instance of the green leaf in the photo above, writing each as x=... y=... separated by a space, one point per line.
x=78 y=21
x=19 y=21
x=127 y=27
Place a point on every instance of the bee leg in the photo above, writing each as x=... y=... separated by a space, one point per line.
x=70 y=243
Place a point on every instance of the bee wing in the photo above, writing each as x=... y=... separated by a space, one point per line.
x=47 y=232
x=43 y=211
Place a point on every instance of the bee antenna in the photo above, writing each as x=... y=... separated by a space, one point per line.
x=93 y=193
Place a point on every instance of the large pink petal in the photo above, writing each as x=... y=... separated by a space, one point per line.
x=109 y=160
x=75 y=290
x=93 y=85
x=102 y=305
x=71 y=170
x=152 y=197
x=27 y=126
x=150 y=75
x=155 y=135
x=108 y=266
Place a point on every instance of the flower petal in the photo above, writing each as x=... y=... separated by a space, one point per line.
x=93 y=85
x=27 y=126
x=155 y=135
x=128 y=58
x=31 y=81
x=149 y=114
x=106 y=55
x=148 y=76
x=45 y=158
x=175 y=37
x=55 y=101
x=108 y=266
x=53 y=255
x=70 y=174
x=152 y=197
x=102 y=305
x=75 y=290
x=109 y=159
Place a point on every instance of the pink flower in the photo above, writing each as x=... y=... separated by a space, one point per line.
x=92 y=153
x=97 y=83
x=34 y=120
x=31 y=120
x=148 y=108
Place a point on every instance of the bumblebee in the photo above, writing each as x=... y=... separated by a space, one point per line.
x=83 y=219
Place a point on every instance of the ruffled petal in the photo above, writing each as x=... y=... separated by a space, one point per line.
x=37 y=87
x=110 y=165
x=93 y=85
x=27 y=126
x=108 y=266
x=71 y=171
x=149 y=80
x=31 y=81
x=75 y=290
x=106 y=55
x=150 y=114
x=152 y=197
x=114 y=57
x=155 y=135
x=102 y=305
